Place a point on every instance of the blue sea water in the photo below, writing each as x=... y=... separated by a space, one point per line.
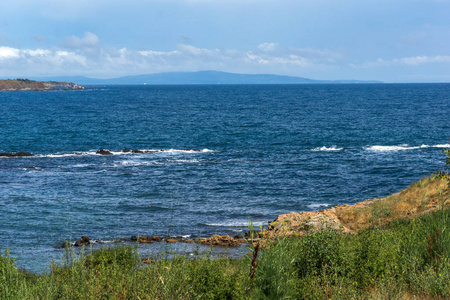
x=221 y=157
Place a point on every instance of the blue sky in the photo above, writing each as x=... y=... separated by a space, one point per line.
x=392 y=41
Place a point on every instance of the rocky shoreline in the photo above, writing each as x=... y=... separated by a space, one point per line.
x=31 y=85
x=420 y=198
x=214 y=240
x=99 y=152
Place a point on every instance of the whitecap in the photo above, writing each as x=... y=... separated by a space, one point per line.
x=125 y=152
x=81 y=165
x=403 y=147
x=59 y=155
x=324 y=148
x=442 y=146
x=174 y=151
x=185 y=161
x=131 y=163
x=318 y=205
x=237 y=224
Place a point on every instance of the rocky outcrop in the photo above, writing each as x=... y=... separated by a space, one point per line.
x=420 y=198
x=222 y=240
x=32 y=85
x=15 y=154
x=104 y=152
x=83 y=241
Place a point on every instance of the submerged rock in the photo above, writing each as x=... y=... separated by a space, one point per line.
x=16 y=154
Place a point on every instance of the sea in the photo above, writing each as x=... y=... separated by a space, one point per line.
x=208 y=159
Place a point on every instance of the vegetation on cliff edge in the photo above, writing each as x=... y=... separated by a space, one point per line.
x=403 y=258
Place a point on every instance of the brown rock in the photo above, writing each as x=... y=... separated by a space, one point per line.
x=83 y=241
x=147 y=260
x=16 y=154
x=171 y=240
x=221 y=240
x=145 y=240
x=156 y=238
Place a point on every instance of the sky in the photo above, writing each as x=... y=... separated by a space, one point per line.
x=391 y=41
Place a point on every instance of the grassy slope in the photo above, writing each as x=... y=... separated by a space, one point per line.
x=391 y=255
x=16 y=85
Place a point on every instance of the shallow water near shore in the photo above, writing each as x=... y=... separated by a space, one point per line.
x=211 y=159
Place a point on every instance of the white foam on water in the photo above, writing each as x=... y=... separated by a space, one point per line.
x=237 y=224
x=58 y=155
x=324 y=148
x=81 y=165
x=174 y=151
x=442 y=146
x=188 y=161
x=131 y=163
x=143 y=151
x=403 y=147
x=318 y=205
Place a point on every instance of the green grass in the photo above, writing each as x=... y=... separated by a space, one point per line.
x=405 y=259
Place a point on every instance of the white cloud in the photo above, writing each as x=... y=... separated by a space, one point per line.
x=89 y=40
x=82 y=59
x=416 y=60
x=267 y=47
x=9 y=53
x=405 y=61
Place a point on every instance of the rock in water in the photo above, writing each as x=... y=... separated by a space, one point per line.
x=104 y=152
x=16 y=154
x=83 y=241
x=221 y=240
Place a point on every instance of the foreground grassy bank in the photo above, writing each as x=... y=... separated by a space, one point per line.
x=391 y=258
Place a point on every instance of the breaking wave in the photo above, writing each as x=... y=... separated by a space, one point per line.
x=124 y=152
x=403 y=147
x=324 y=148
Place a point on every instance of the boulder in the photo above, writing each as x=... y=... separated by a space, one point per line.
x=145 y=240
x=169 y=240
x=221 y=240
x=104 y=152
x=83 y=241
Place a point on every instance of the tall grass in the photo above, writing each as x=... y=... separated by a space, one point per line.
x=405 y=259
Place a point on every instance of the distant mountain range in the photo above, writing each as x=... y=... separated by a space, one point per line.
x=201 y=77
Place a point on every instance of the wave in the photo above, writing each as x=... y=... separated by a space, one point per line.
x=237 y=224
x=324 y=148
x=403 y=147
x=104 y=152
x=318 y=205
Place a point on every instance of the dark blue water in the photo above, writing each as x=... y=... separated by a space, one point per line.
x=260 y=151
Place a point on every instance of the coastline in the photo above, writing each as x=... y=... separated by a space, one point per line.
x=422 y=197
x=31 y=85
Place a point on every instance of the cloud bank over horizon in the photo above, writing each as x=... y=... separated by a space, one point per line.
x=321 y=40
